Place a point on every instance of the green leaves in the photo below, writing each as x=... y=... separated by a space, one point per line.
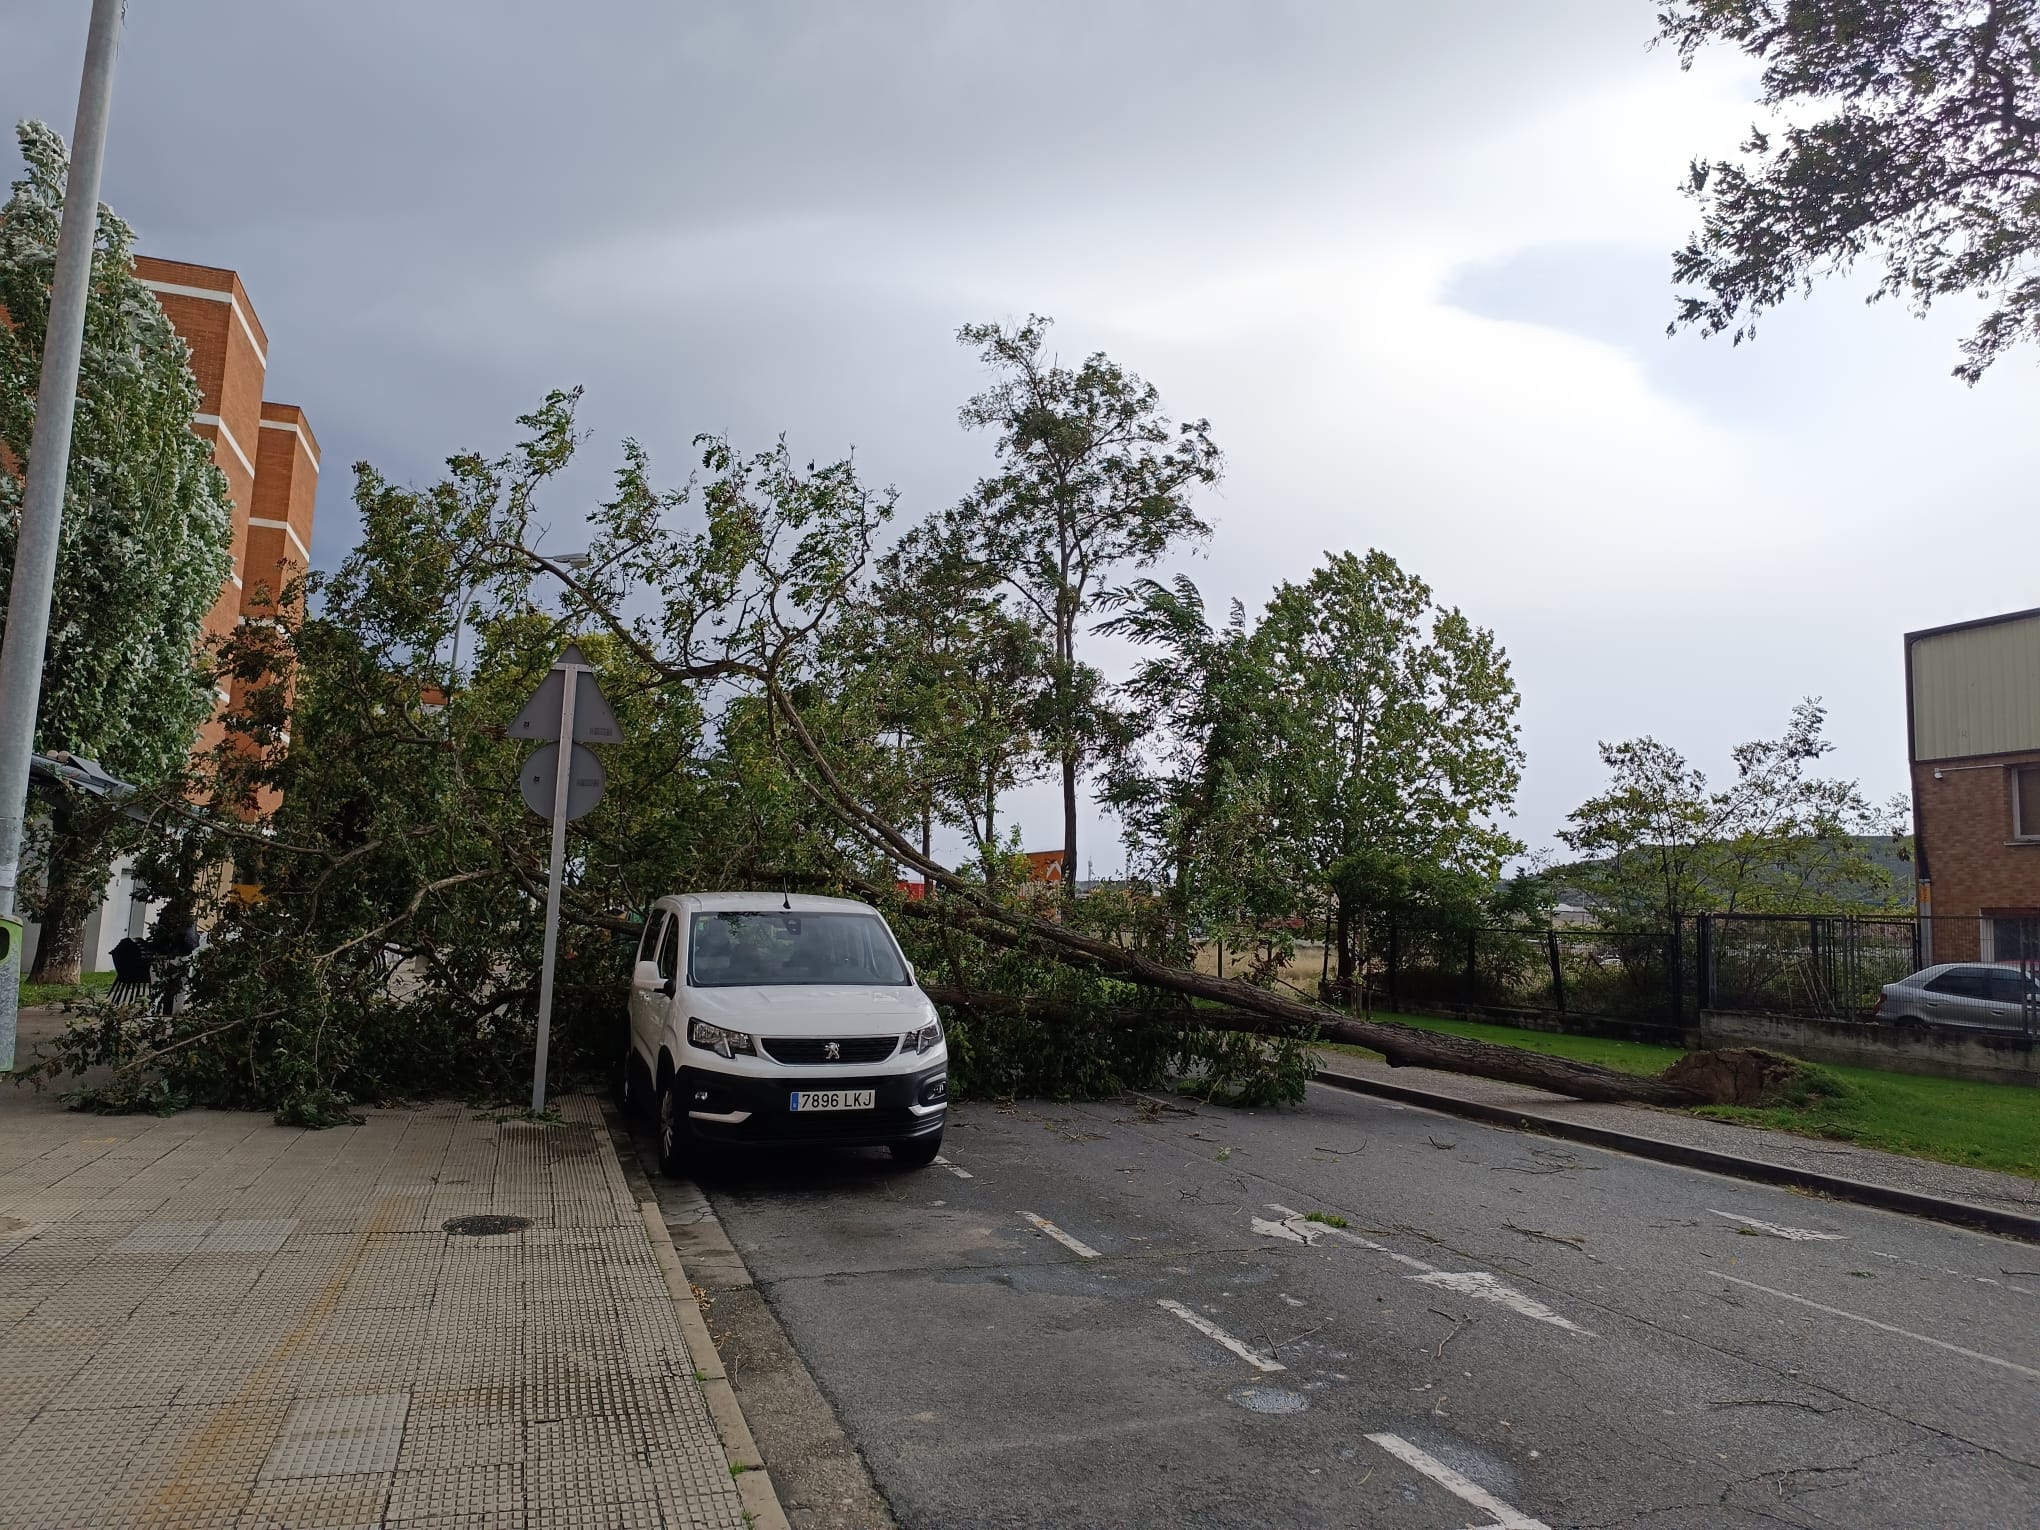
x=1661 y=844
x=1907 y=130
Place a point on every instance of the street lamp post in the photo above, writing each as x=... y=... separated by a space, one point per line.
x=49 y=462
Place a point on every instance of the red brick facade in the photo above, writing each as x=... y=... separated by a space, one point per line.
x=1971 y=866
x=1973 y=725
x=267 y=451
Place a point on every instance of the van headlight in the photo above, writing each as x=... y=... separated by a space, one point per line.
x=926 y=1039
x=713 y=1038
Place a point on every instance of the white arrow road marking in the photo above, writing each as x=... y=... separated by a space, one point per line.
x=1219 y=1336
x=1482 y=1286
x=1506 y=1518
x=1790 y=1234
x=1478 y=1284
x=1294 y=1219
x=952 y=1168
x=1295 y=1229
x=1903 y=1333
x=1060 y=1236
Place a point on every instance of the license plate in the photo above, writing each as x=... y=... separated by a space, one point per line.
x=832 y=1099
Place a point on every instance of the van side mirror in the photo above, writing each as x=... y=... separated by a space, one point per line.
x=646 y=975
x=913 y=977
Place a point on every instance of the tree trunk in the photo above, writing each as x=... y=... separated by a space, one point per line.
x=1345 y=936
x=60 y=941
x=1404 y=1046
x=1069 y=850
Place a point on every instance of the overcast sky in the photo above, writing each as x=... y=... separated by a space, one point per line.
x=1410 y=261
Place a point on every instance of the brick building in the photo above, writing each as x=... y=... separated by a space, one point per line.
x=1973 y=730
x=267 y=451
x=271 y=461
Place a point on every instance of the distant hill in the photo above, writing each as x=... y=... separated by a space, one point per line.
x=1887 y=880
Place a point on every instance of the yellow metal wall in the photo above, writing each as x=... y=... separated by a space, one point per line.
x=1977 y=690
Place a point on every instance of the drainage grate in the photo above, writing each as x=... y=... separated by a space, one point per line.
x=486 y=1226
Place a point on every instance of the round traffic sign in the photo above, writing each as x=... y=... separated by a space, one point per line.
x=586 y=780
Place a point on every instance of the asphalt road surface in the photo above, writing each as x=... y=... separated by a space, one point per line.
x=1122 y=1315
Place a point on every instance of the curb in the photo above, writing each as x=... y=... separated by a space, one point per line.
x=2006 y=1224
x=754 y=1483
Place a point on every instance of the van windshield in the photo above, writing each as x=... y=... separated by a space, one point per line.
x=768 y=950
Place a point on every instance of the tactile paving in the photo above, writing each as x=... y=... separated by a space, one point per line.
x=211 y=1320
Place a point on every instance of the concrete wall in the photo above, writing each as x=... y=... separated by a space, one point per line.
x=1944 y=1053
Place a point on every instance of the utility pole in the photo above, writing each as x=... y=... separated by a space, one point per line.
x=49 y=462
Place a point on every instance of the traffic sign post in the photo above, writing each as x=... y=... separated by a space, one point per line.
x=567 y=708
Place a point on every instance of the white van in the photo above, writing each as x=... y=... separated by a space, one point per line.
x=764 y=1018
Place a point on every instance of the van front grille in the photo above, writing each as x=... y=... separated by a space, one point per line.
x=806 y=1050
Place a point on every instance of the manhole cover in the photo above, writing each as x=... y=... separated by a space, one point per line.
x=485 y=1227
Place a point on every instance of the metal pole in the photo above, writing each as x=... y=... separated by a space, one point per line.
x=563 y=776
x=49 y=460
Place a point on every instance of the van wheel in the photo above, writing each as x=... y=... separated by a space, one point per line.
x=916 y=1152
x=675 y=1135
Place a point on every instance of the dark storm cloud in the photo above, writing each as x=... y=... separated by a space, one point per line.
x=1409 y=259
x=394 y=181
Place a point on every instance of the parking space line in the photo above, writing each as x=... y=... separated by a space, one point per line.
x=1903 y=1333
x=1055 y=1232
x=1219 y=1336
x=952 y=1168
x=1459 y=1486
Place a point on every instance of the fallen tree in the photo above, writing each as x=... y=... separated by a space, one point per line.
x=1404 y=1046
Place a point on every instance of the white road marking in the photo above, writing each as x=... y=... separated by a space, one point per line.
x=1219 y=1336
x=1506 y=1518
x=1475 y=1283
x=1482 y=1286
x=1942 y=1269
x=1904 y=1333
x=952 y=1168
x=1295 y=1218
x=1295 y=1229
x=1060 y=1236
x=1790 y=1234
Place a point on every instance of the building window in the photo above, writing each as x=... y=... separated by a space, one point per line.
x=2026 y=802
x=2013 y=939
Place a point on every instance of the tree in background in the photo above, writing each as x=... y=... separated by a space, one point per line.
x=1662 y=845
x=1393 y=747
x=1190 y=787
x=1092 y=478
x=1908 y=133
x=958 y=680
x=144 y=551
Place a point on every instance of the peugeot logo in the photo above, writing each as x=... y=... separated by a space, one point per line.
x=832 y=1051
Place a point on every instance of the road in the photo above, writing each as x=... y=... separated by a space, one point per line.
x=1121 y=1314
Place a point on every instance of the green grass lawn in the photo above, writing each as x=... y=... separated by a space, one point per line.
x=1983 y=1126
x=55 y=993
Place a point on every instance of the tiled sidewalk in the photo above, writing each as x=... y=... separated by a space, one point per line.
x=1981 y=1187
x=209 y=1320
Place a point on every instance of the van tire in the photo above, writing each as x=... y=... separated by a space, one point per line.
x=916 y=1152
x=675 y=1135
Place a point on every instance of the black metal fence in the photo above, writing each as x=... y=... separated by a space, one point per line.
x=1642 y=977
x=1824 y=966
x=1820 y=966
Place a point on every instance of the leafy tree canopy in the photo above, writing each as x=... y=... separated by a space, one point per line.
x=1905 y=133
x=144 y=551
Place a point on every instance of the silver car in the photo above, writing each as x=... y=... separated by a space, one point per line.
x=1997 y=996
